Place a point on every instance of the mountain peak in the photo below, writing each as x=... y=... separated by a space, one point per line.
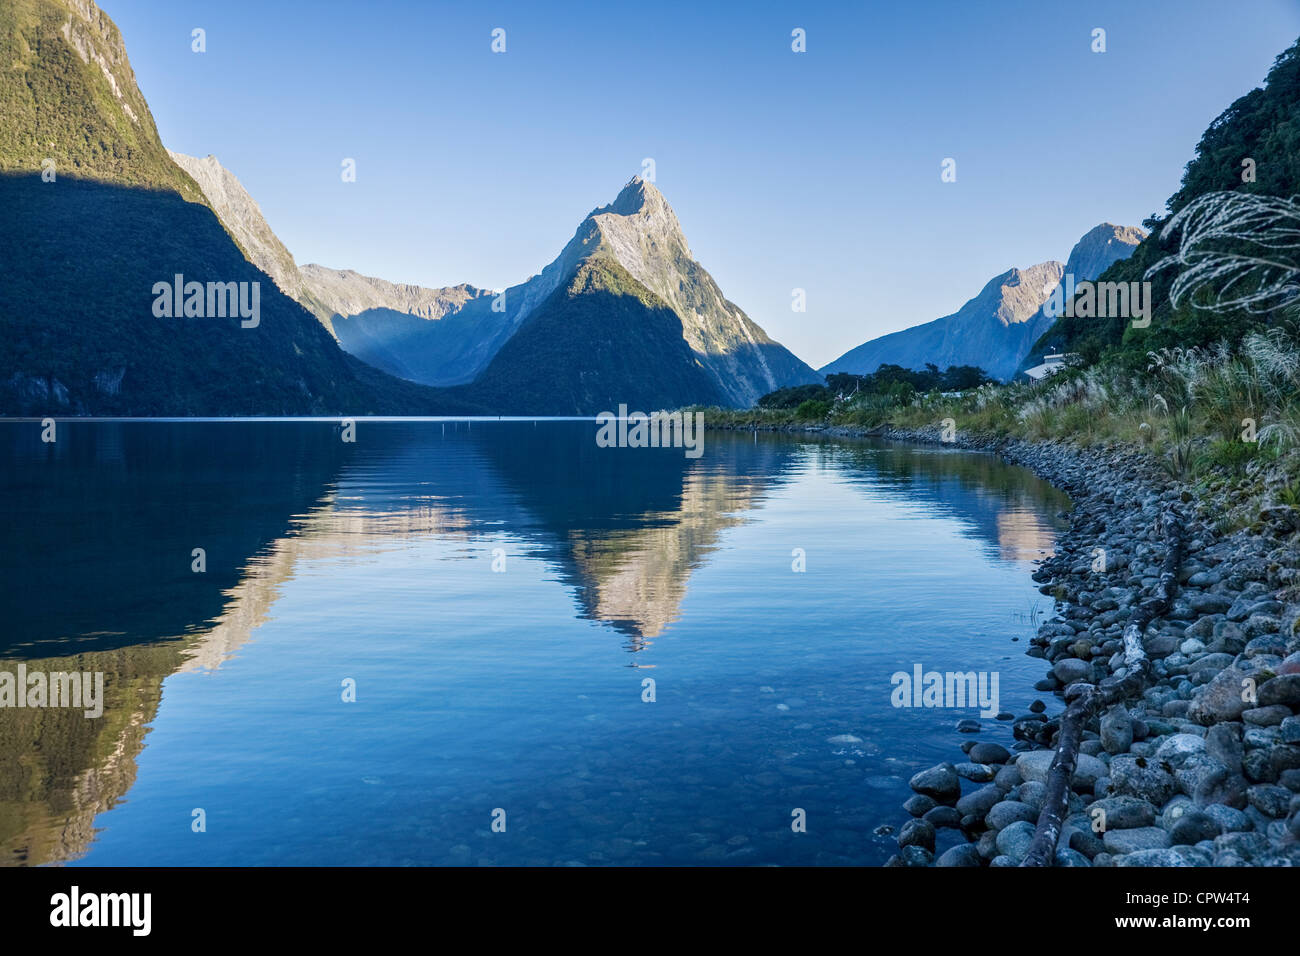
x=639 y=222
x=1100 y=246
x=632 y=198
x=638 y=196
x=635 y=246
x=1017 y=294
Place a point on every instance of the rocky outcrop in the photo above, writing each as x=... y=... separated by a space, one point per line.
x=96 y=39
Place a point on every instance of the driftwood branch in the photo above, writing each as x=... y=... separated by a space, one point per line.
x=1086 y=700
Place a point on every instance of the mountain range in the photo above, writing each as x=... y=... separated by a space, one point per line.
x=996 y=329
x=98 y=213
x=629 y=258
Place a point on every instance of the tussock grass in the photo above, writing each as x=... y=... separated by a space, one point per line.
x=1217 y=417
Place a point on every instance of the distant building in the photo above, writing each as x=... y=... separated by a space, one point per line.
x=1052 y=363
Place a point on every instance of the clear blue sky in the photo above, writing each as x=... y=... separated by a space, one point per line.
x=817 y=170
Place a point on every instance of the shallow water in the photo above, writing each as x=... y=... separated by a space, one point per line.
x=498 y=592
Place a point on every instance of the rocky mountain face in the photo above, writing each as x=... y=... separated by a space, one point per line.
x=641 y=233
x=1100 y=247
x=96 y=216
x=347 y=293
x=600 y=341
x=243 y=219
x=679 y=340
x=997 y=329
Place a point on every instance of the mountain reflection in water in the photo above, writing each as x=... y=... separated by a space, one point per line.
x=101 y=527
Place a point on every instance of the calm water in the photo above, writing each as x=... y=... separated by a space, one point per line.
x=499 y=593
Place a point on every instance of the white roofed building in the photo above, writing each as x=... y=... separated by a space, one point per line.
x=1052 y=363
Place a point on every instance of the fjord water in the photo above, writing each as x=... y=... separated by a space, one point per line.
x=499 y=592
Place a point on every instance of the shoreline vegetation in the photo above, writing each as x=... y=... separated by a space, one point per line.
x=1222 y=421
x=1197 y=761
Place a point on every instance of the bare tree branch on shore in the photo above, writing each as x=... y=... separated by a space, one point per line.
x=1087 y=699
